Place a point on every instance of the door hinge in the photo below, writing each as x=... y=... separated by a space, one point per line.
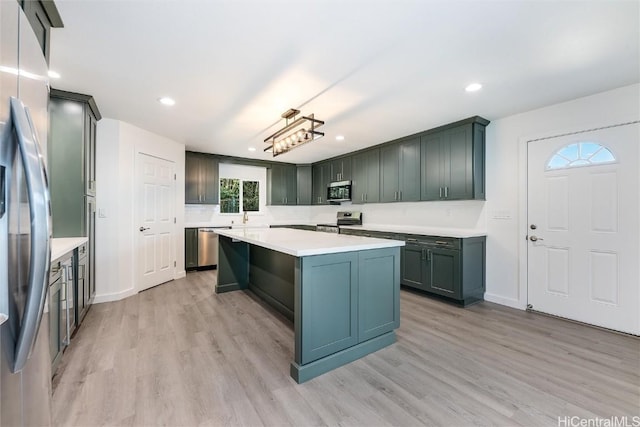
x=175 y=177
x=174 y=263
x=174 y=219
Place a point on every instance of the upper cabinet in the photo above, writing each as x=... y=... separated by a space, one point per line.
x=340 y=169
x=201 y=179
x=365 y=179
x=282 y=186
x=72 y=159
x=321 y=178
x=42 y=15
x=453 y=162
x=400 y=171
x=304 y=184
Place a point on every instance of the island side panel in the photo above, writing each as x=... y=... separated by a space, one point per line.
x=328 y=295
x=271 y=277
x=233 y=265
x=378 y=292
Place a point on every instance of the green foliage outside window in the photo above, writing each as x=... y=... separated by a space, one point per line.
x=235 y=198
x=250 y=196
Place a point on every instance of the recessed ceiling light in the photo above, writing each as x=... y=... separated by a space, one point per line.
x=340 y=138
x=166 y=101
x=53 y=74
x=252 y=149
x=473 y=87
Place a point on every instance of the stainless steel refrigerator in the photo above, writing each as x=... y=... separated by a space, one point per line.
x=25 y=225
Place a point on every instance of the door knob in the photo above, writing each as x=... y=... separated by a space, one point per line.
x=535 y=238
x=143 y=228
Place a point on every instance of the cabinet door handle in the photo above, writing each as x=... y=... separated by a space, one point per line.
x=428 y=254
x=400 y=195
x=446 y=192
x=365 y=197
x=424 y=253
x=440 y=193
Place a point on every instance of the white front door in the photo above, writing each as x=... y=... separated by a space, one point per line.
x=583 y=215
x=155 y=221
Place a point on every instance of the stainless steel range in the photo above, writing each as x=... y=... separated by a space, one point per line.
x=343 y=218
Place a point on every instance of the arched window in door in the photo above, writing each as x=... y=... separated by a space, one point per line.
x=580 y=154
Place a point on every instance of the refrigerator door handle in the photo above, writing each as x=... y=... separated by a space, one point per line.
x=39 y=205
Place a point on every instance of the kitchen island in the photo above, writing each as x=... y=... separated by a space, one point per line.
x=341 y=292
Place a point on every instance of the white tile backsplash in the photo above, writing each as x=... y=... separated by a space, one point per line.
x=468 y=214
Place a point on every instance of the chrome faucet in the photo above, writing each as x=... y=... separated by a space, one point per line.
x=245 y=217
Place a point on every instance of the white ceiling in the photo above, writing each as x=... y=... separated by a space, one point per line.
x=373 y=70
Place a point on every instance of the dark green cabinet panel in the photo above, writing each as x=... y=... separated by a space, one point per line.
x=400 y=171
x=452 y=163
x=444 y=272
x=340 y=169
x=413 y=263
x=201 y=179
x=329 y=302
x=366 y=177
x=304 y=185
x=281 y=186
x=432 y=166
x=190 y=248
x=389 y=177
x=84 y=291
x=378 y=270
x=447 y=266
x=321 y=178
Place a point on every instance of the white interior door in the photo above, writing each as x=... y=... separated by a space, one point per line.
x=583 y=215
x=156 y=224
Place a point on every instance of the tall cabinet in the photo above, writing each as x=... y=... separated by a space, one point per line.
x=73 y=121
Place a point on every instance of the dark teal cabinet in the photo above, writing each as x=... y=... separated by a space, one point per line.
x=450 y=267
x=281 y=185
x=400 y=171
x=330 y=304
x=321 y=178
x=85 y=288
x=72 y=160
x=378 y=269
x=201 y=179
x=444 y=272
x=366 y=177
x=453 y=163
x=413 y=272
x=190 y=248
x=304 y=185
x=340 y=169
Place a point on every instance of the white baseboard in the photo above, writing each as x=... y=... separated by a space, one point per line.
x=116 y=296
x=509 y=302
x=180 y=274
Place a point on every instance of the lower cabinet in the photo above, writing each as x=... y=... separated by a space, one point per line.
x=83 y=284
x=348 y=298
x=62 y=316
x=450 y=267
x=55 y=310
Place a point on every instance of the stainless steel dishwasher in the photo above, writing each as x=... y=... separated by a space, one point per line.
x=207 y=247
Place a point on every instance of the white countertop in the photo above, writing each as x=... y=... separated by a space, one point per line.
x=425 y=231
x=305 y=243
x=63 y=245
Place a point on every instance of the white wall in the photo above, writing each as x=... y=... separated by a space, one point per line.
x=116 y=228
x=506 y=185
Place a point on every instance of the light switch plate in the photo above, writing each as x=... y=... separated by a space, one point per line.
x=102 y=213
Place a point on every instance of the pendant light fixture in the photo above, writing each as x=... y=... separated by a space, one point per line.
x=296 y=132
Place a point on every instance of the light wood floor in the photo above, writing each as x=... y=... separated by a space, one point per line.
x=179 y=354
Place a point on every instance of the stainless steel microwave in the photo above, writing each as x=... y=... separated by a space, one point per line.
x=339 y=191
